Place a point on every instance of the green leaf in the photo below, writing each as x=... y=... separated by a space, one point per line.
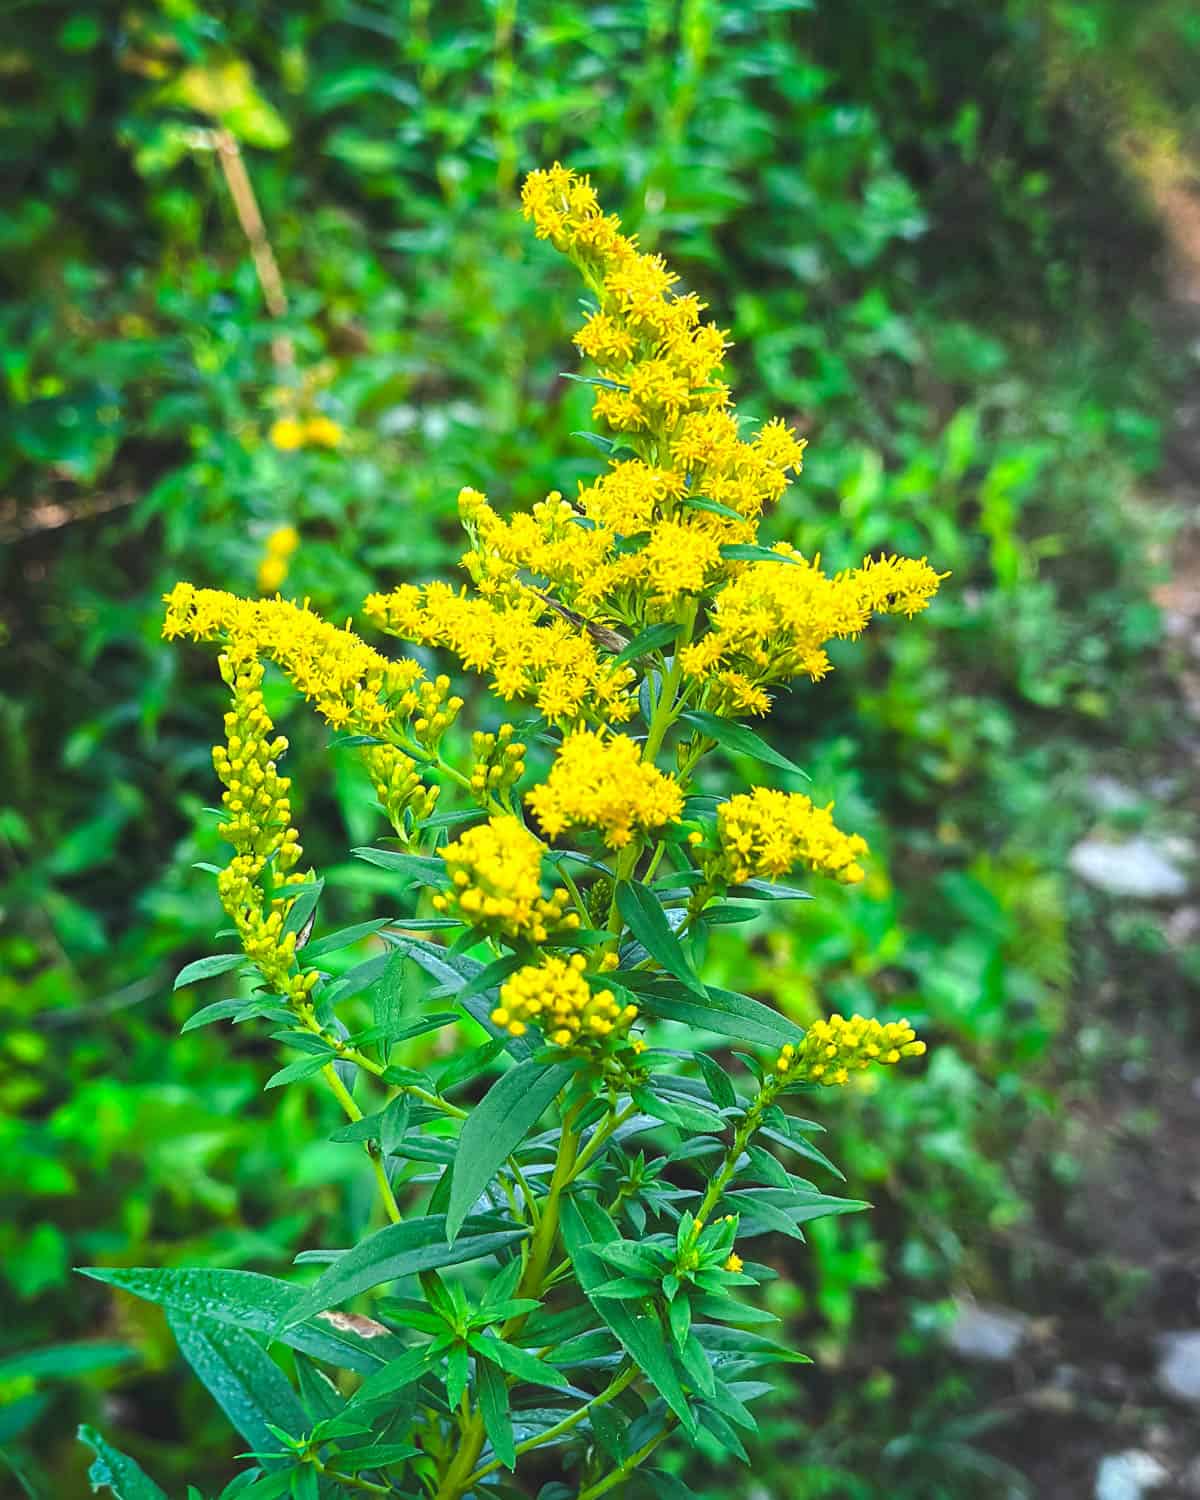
x=305 y=1068
x=343 y=938
x=400 y=1372
x=219 y=1010
x=517 y=1362
x=737 y=737
x=453 y=970
x=717 y=1080
x=245 y=1382
x=394 y=1123
x=674 y=1111
x=361 y=977
x=418 y=869
x=724 y=1011
x=492 y=1392
x=653 y=638
x=257 y=1303
x=644 y=916
x=398 y=1250
x=117 y=1471
x=750 y=552
x=714 y=507
x=206 y=968
x=65 y=1361
x=584 y=1224
x=601 y=380
x=303 y=908
x=770 y=890
x=496 y=1127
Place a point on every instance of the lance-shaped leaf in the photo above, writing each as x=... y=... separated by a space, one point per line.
x=248 y=1300
x=398 y=1250
x=245 y=1382
x=492 y=1392
x=454 y=971
x=205 y=968
x=585 y=1224
x=496 y=1127
x=723 y=1011
x=643 y=915
x=734 y=736
x=121 y=1474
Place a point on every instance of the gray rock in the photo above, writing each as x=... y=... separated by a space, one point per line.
x=993 y=1334
x=1129 y=1475
x=1138 y=867
x=1112 y=796
x=1178 y=1372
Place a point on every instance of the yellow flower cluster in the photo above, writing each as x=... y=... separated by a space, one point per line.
x=319 y=431
x=765 y=833
x=554 y=995
x=773 y=622
x=602 y=782
x=352 y=686
x=831 y=1050
x=277 y=556
x=495 y=869
x=530 y=650
x=499 y=763
x=259 y=828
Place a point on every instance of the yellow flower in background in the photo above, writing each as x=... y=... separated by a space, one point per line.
x=831 y=1050
x=287 y=434
x=273 y=569
x=603 y=783
x=765 y=833
x=319 y=431
x=323 y=432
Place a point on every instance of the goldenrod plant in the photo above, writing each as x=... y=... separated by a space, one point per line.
x=571 y=1188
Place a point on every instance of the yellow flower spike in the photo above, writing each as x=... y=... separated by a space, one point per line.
x=603 y=783
x=832 y=1049
x=258 y=825
x=734 y=1262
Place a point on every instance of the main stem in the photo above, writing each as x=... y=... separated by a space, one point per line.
x=459 y=1476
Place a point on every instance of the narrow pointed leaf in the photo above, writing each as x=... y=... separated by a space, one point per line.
x=395 y=1251
x=737 y=737
x=116 y=1471
x=245 y=1382
x=644 y=916
x=496 y=1127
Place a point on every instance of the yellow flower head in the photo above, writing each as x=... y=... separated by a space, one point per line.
x=765 y=833
x=602 y=782
x=554 y=996
x=287 y=434
x=734 y=1263
x=496 y=873
x=831 y=1050
x=323 y=432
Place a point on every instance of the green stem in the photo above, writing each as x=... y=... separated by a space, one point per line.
x=457 y=1478
x=602 y=1133
x=741 y=1138
x=626 y=1469
x=621 y=1383
x=349 y=1481
x=342 y=1094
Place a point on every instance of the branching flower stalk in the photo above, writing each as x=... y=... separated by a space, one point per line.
x=574 y=864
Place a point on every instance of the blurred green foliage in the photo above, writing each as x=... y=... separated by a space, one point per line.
x=929 y=256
